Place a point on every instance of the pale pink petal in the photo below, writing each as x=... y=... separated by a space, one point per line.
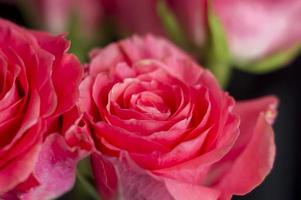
x=159 y=50
x=105 y=59
x=85 y=96
x=53 y=14
x=134 y=183
x=272 y=29
x=55 y=169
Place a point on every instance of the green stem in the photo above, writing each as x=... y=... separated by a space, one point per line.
x=90 y=190
x=222 y=73
x=85 y=188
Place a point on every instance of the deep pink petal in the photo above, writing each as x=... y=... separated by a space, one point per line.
x=253 y=154
x=131 y=142
x=184 y=151
x=56 y=45
x=66 y=78
x=183 y=191
x=24 y=158
x=105 y=176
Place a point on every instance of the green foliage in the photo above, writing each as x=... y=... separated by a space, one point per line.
x=217 y=56
x=83 y=188
x=171 y=25
x=270 y=63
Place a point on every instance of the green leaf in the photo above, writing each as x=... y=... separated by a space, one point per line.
x=79 y=46
x=87 y=189
x=84 y=187
x=217 y=39
x=217 y=55
x=171 y=25
x=271 y=63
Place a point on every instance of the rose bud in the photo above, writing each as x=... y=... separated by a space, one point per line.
x=56 y=15
x=258 y=42
x=261 y=33
x=164 y=129
x=39 y=142
x=134 y=16
x=80 y=18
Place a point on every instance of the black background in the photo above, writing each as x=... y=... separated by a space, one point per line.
x=284 y=183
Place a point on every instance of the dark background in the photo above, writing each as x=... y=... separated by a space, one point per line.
x=284 y=183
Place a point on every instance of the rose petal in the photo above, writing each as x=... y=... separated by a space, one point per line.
x=183 y=191
x=247 y=39
x=66 y=78
x=175 y=61
x=136 y=16
x=56 y=45
x=54 y=170
x=134 y=183
x=184 y=151
x=193 y=17
x=131 y=142
x=10 y=173
x=105 y=176
x=106 y=59
x=253 y=154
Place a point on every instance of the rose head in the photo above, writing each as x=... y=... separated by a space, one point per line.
x=164 y=129
x=56 y=15
x=250 y=37
x=38 y=91
x=134 y=16
x=273 y=29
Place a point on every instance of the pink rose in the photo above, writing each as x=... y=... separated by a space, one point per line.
x=192 y=17
x=259 y=28
x=39 y=142
x=251 y=37
x=57 y=16
x=142 y=17
x=134 y=16
x=164 y=129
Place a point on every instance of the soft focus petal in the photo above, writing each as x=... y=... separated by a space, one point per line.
x=192 y=17
x=136 y=16
x=274 y=27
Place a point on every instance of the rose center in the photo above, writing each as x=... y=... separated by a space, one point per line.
x=149 y=103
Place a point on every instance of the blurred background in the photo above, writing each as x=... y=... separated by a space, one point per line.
x=284 y=183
